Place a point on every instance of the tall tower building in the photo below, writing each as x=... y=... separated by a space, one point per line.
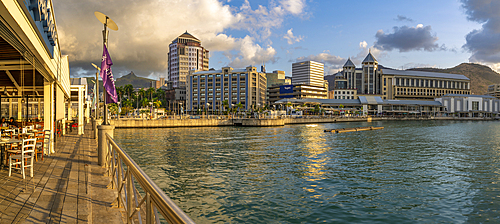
x=308 y=72
x=371 y=78
x=185 y=54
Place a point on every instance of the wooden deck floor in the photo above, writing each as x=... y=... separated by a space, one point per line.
x=67 y=187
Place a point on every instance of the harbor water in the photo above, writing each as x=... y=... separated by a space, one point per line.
x=411 y=171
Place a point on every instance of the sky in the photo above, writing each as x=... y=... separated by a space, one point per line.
x=239 y=33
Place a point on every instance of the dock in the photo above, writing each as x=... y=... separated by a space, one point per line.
x=67 y=187
x=342 y=130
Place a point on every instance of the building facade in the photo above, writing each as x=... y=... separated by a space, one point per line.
x=308 y=72
x=209 y=89
x=464 y=105
x=373 y=79
x=297 y=91
x=494 y=90
x=185 y=54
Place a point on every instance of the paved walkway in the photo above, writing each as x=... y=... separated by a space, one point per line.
x=67 y=187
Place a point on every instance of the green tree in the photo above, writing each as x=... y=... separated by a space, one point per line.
x=144 y=102
x=113 y=108
x=157 y=103
x=119 y=92
x=129 y=90
x=150 y=92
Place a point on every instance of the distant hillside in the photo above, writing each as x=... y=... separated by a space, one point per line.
x=136 y=81
x=480 y=76
x=131 y=78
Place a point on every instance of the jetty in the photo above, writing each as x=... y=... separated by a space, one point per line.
x=342 y=130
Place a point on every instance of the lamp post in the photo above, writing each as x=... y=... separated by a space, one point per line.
x=208 y=106
x=151 y=109
x=136 y=103
x=97 y=89
x=108 y=22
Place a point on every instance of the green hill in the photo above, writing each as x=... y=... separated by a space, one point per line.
x=480 y=76
x=131 y=78
x=136 y=81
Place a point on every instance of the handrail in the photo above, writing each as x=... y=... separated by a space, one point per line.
x=154 y=197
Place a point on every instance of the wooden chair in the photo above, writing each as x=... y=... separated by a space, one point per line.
x=46 y=142
x=27 y=154
x=40 y=146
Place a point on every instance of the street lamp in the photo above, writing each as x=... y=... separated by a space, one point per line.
x=181 y=110
x=151 y=110
x=108 y=22
x=208 y=105
x=97 y=89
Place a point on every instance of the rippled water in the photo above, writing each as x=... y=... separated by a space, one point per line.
x=411 y=171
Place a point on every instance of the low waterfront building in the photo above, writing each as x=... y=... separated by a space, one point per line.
x=35 y=84
x=463 y=105
x=373 y=79
x=275 y=78
x=297 y=91
x=210 y=89
x=373 y=105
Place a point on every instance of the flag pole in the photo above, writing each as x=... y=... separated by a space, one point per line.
x=105 y=42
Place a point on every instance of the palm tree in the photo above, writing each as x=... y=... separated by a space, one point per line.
x=142 y=92
x=119 y=92
x=128 y=89
x=144 y=102
x=113 y=108
x=157 y=103
x=150 y=92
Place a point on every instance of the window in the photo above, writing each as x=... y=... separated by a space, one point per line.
x=475 y=105
x=385 y=81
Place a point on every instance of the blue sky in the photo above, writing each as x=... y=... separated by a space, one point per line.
x=238 y=33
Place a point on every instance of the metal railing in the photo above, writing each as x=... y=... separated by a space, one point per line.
x=125 y=175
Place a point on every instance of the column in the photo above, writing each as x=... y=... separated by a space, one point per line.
x=48 y=111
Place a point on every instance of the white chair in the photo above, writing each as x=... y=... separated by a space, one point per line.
x=46 y=142
x=27 y=154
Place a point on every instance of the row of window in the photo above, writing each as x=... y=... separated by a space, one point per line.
x=428 y=83
x=427 y=92
x=195 y=100
x=343 y=97
x=343 y=92
x=218 y=94
x=217 y=89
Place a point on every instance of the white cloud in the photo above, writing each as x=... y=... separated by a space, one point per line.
x=333 y=63
x=291 y=38
x=363 y=44
x=293 y=6
x=147 y=27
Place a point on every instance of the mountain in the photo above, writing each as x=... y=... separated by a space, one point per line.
x=136 y=81
x=480 y=76
x=131 y=78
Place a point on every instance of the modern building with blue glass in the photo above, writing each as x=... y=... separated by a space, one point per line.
x=207 y=90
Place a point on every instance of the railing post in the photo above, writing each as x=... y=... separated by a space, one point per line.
x=149 y=209
x=129 y=195
x=119 y=179
x=102 y=147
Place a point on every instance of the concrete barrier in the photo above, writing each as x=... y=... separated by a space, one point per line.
x=172 y=123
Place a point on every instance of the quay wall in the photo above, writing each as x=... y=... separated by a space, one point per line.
x=172 y=123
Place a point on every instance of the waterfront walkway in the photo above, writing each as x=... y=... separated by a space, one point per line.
x=67 y=187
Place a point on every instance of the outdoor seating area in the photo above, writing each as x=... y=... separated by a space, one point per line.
x=62 y=187
x=20 y=147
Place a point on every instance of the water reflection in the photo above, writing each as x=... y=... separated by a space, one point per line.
x=426 y=171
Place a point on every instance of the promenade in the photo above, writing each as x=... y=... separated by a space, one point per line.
x=67 y=187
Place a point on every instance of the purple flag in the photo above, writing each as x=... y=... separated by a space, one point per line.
x=107 y=77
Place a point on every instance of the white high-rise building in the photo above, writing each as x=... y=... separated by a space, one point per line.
x=185 y=54
x=308 y=72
